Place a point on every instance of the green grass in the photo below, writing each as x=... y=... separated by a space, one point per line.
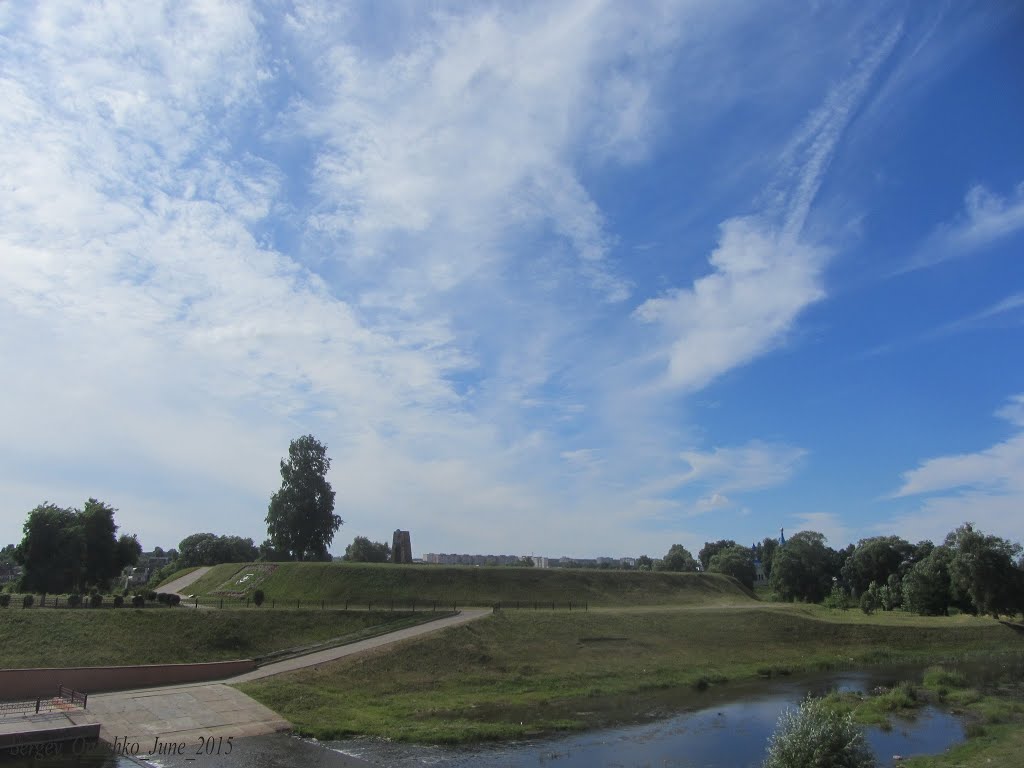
x=81 y=637
x=464 y=585
x=517 y=674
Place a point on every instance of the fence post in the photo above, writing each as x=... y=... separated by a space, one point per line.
x=273 y=603
x=414 y=606
x=434 y=607
x=552 y=605
x=298 y=603
x=37 y=706
x=85 y=701
x=570 y=606
x=346 y=605
x=392 y=605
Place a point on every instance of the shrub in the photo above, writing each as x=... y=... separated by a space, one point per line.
x=74 y=600
x=837 y=598
x=258 y=597
x=138 y=601
x=5 y=600
x=150 y=595
x=173 y=599
x=28 y=601
x=96 y=600
x=118 y=601
x=163 y=598
x=814 y=735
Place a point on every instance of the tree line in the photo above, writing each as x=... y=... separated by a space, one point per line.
x=970 y=571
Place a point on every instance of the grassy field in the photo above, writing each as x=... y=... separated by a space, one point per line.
x=465 y=585
x=522 y=673
x=64 y=638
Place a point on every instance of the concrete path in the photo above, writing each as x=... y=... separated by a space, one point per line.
x=192 y=713
x=178 y=585
x=332 y=654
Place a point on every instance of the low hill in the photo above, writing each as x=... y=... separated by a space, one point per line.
x=465 y=585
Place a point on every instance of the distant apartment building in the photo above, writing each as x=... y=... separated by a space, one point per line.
x=449 y=559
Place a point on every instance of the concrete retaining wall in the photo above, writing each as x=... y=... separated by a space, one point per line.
x=30 y=683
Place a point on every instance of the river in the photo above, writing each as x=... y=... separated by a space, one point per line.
x=725 y=727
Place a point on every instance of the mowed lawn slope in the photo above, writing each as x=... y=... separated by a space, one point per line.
x=45 y=637
x=465 y=585
x=521 y=673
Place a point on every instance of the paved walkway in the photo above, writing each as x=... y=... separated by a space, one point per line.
x=187 y=580
x=188 y=713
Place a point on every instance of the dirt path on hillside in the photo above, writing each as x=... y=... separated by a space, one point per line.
x=185 y=581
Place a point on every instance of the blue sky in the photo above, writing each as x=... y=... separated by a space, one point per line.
x=573 y=278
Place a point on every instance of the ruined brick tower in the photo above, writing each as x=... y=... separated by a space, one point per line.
x=401 y=547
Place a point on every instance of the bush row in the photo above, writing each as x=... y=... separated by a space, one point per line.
x=96 y=600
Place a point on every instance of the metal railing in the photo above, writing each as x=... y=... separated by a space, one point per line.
x=66 y=699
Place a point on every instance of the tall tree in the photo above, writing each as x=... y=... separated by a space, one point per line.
x=735 y=561
x=800 y=568
x=982 y=570
x=67 y=550
x=301 y=520
x=712 y=548
x=875 y=559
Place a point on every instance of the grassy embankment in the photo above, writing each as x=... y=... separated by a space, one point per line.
x=88 y=637
x=521 y=673
x=463 y=585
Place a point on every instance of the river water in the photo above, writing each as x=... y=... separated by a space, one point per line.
x=725 y=727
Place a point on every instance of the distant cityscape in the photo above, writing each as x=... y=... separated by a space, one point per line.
x=538 y=562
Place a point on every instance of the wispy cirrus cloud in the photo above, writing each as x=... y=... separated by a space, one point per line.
x=987 y=218
x=765 y=271
x=984 y=486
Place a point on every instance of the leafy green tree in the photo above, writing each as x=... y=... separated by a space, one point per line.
x=766 y=552
x=800 y=569
x=982 y=571
x=362 y=550
x=874 y=559
x=735 y=561
x=926 y=586
x=677 y=559
x=644 y=563
x=814 y=736
x=211 y=549
x=51 y=550
x=300 y=519
x=7 y=555
x=712 y=548
x=98 y=531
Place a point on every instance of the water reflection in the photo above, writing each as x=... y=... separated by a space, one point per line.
x=724 y=735
x=729 y=729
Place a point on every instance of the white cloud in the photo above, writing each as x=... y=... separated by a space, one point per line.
x=985 y=486
x=747 y=468
x=764 y=271
x=762 y=280
x=987 y=219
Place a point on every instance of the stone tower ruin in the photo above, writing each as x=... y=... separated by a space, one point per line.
x=401 y=547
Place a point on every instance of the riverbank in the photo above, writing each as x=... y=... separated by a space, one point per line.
x=991 y=706
x=520 y=674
